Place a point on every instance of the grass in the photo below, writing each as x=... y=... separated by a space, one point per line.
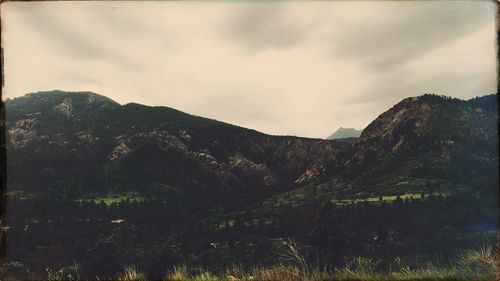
x=472 y=264
x=20 y=194
x=341 y=193
x=113 y=198
x=181 y=274
x=361 y=269
x=130 y=273
x=481 y=260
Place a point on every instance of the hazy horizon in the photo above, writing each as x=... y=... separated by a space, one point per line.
x=282 y=68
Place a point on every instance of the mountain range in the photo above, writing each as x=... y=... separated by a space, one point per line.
x=91 y=144
x=107 y=185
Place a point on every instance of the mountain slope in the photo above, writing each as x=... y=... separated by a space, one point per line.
x=82 y=143
x=423 y=146
x=430 y=137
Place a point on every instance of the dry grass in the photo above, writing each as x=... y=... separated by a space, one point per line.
x=178 y=274
x=472 y=264
x=130 y=273
x=480 y=260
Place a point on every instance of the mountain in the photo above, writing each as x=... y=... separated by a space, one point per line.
x=343 y=133
x=98 y=185
x=430 y=137
x=428 y=144
x=81 y=143
x=84 y=143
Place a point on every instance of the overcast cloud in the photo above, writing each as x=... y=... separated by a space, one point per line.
x=295 y=68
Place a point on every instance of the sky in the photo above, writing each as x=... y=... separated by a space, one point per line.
x=300 y=68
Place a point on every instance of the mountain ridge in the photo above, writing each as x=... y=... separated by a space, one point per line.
x=60 y=94
x=228 y=155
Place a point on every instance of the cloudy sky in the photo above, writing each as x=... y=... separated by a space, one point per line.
x=295 y=68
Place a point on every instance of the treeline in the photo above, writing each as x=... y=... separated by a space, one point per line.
x=157 y=234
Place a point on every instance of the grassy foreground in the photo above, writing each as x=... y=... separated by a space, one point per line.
x=294 y=273
x=472 y=264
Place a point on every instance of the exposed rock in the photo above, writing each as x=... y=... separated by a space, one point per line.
x=65 y=108
x=311 y=173
x=119 y=151
x=429 y=129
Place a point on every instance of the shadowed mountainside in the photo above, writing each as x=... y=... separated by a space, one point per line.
x=430 y=137
x=107 y=185
x=88 y=143
x=83 y=143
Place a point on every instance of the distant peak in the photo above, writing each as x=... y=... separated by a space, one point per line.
x=343 y=133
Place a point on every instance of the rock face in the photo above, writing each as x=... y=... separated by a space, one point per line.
x=429 y=136
x=85 y=143
x=343 y=133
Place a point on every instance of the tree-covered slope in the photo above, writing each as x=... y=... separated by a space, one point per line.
x=430 y=137
x=82 y=143
x=79 y=144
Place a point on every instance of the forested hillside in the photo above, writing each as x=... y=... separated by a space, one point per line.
x=99 y=185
